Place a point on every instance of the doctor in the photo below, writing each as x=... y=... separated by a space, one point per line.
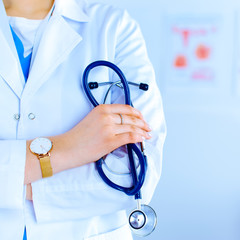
x=45 y=47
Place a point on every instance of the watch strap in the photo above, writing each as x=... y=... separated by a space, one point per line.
x=46 y=166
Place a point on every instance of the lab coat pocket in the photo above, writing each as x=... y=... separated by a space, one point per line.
x=118 y=234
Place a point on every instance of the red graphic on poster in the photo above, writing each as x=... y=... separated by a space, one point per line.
x=187 y=33
x=203 y=52
x=203 y=75
x=180 y=61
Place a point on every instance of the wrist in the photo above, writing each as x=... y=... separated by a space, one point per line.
x=62 y=155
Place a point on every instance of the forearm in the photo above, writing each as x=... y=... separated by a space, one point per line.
x=61 y=159
x=33 y=169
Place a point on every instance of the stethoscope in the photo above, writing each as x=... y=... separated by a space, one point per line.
x=142 y=220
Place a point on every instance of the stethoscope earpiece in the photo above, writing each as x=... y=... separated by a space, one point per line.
x=93 y=85
x=143 y=86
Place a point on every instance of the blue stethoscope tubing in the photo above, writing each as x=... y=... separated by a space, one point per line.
x=138 y=179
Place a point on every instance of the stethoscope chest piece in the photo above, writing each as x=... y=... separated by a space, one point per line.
x=143 y=221
x=137 y=219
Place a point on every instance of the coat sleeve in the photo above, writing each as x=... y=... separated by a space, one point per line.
x=80 y=192
x=12 y=168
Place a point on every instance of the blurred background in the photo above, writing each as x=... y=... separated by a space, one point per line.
x=194 y=46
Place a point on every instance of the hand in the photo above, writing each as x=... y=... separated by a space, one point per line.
x=101 y=132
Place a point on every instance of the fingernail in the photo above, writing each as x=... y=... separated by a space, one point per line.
x=149 y=134
x=149 y=127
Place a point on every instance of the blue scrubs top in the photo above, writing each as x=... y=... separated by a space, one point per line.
x=25 y=235
x=24 y=61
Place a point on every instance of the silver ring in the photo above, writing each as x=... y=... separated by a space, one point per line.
x=122 y=121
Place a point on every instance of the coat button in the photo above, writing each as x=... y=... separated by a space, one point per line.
x=16 y=116
x=31 y=116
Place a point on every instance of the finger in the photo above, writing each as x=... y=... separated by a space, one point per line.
x=121 y=129
x=129 y=137
x=121 y=108
x=131 y=120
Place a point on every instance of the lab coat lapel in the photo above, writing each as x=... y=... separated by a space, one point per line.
x=57 y=42
x=9 y=64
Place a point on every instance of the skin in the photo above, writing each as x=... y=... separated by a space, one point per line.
x=32 y=9
x=98 y=134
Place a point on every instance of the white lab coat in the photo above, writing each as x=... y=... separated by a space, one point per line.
x=74 y=204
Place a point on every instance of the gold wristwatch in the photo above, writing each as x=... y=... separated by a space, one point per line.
x=42 y=147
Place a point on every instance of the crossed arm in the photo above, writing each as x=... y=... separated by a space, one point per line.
x=98 y=134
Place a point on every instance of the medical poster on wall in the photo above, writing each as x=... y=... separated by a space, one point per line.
x=192 y=47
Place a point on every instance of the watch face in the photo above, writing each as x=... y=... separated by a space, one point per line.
x=41 y=146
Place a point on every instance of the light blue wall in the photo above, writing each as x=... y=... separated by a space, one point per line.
x=198 y=197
